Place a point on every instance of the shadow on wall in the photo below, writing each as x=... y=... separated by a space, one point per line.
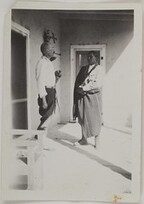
x=118 y=91
x=117 y=35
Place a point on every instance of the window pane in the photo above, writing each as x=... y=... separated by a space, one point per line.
x=19 y=114
x=18 y=65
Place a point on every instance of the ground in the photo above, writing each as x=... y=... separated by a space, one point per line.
x=83 y=172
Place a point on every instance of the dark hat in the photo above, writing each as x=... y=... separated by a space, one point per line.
x=45 y=46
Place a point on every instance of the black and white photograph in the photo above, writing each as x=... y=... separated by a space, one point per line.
x=71 y=123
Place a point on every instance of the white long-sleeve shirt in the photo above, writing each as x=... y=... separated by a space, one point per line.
x=45 y=75
x=95 y=78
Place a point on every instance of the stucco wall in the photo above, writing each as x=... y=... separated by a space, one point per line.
x=115 y=34
x=36 y=21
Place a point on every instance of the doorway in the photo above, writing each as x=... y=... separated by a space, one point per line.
x=79 y=59
x=19 y=77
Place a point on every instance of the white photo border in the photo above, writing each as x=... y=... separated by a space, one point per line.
x=136 y=173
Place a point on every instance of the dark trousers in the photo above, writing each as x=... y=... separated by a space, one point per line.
x=51 y=100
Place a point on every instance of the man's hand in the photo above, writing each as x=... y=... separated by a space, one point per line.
x=45 y=104
x=80 y=90
x=58 y=75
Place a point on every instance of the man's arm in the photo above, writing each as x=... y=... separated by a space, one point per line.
x=45 y=103
x=41 y=84
x=96 y=82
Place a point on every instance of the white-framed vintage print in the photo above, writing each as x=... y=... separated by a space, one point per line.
x=46 y=165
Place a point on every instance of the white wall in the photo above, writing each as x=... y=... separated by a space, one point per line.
x=118 y=92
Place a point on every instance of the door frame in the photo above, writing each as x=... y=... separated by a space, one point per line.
x=73 y=50
x=25 y=32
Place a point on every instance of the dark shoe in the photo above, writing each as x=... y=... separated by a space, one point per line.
x=41 y=128
x=36 y=137
x=83 y=142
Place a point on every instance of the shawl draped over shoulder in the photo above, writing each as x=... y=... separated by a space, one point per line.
x=87 y=106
